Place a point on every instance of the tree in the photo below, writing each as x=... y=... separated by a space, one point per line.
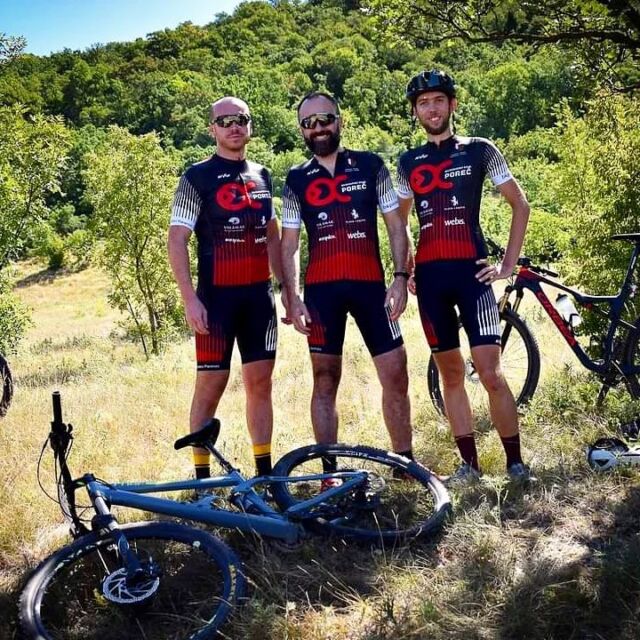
x=599 y=188
x=32 y=156
x=10 y=47
x=603 y=36
x=130 y=182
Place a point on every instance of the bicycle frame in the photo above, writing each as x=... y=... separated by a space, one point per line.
x=261 y=519
x=265 y=521
x=528 y=278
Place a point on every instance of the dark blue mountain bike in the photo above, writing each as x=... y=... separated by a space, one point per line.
x=166 y=580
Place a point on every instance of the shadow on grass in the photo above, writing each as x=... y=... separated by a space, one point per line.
x=44 y=276
x=564 y=583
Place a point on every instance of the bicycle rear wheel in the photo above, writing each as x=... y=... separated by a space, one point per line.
x=6 y=384
x=520 y=360
x=400 y=500
x=632 y=359
x=80 y=592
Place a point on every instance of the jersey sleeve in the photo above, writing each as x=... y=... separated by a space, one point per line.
x=403 y=188
x=291 y=212
x=387 y=196
x=494 y=164
x=187 y=204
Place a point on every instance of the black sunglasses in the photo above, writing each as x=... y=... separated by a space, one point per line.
x=323 y=119
x=241 y=119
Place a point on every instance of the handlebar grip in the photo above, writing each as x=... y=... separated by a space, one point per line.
x=57 y=407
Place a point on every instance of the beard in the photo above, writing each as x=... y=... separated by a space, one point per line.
x=323 y=147
x=436 y=131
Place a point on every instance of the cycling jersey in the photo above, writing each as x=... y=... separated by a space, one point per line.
x=340 y=215
x=228 y=204
x=246 y=314
x=446 y=183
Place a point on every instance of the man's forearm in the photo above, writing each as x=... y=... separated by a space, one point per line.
x=290 y=261
x=180 y=265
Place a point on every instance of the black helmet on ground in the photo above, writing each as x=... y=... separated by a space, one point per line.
x=433 y=80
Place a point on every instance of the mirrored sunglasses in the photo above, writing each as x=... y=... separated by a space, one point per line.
x=241 y=119
x=323 y=119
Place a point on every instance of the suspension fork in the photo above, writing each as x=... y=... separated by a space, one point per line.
x=503 y=305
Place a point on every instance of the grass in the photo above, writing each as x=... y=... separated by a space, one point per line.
x=557 y=561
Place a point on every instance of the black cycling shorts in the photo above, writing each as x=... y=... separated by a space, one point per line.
x=244 y=313
x=444 y=285
x=330 y=302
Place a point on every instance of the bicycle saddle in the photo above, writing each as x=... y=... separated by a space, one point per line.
x=208 y=433
x=631 y=237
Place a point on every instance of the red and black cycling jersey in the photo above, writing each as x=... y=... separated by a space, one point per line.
x=339 y=213
x=228 y=204
x=446 y=183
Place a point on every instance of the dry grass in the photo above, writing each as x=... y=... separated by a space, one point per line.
x=556 y=561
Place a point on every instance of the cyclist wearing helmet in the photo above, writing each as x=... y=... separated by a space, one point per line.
x=444 y=177
x=227 y=201
x=336 y=194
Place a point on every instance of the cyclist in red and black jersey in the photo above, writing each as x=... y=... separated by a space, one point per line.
x=336 y=194
x=227 y=201
x=444 y=177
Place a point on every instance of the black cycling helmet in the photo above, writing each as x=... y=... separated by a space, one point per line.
x=433 y=80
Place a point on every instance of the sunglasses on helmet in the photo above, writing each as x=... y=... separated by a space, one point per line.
x=241 y=119
x=323 y=119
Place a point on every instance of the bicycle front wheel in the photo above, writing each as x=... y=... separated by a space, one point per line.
x=6 y=386
x=81 y=591
x=400 y=500
x=520 y=360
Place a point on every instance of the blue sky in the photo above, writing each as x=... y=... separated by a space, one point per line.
x=52 y=25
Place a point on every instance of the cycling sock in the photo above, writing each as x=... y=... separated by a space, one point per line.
x=511 y=446
x=262 y=457
x=407 y=454
x=467 y=446
x=329 y=464
x=201 y=463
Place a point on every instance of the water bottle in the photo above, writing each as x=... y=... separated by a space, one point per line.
x=568 y=311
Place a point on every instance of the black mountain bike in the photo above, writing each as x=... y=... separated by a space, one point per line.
x=619 y=352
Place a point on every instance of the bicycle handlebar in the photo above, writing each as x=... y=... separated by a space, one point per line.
x=497 y=251
x=57 y=407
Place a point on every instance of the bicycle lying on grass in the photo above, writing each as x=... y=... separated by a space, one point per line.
x=166 y=580
x=619 y=357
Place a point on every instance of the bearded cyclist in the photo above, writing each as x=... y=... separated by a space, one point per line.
x=444 y=177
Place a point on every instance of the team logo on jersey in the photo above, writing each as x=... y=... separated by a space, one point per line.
x=310 y=173
x=424 y=204
x=354 y=214
x=234 y=196
x=324 y=191
x=454 y=201
x=427 y=177
x=224 y=175
x=323 y=216
x=234 y=220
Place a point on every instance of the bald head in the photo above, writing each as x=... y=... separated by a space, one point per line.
x=227 y=106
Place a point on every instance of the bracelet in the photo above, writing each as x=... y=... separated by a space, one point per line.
x=401 y=274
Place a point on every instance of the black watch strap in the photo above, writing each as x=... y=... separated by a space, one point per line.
x=401 y=274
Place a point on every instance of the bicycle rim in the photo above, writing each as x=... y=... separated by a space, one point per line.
x=386 y=509
x=199 y=580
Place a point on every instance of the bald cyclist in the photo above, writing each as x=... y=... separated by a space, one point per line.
x=227 y=201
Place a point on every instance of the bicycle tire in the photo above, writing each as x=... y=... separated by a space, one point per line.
x=520 y=364
x=631 y=357
x=397 y=509
x=213 y=567
x=6 y=381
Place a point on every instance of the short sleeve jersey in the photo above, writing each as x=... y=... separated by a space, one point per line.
x=446 y=183
x=340 y=215
x=228 y=204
